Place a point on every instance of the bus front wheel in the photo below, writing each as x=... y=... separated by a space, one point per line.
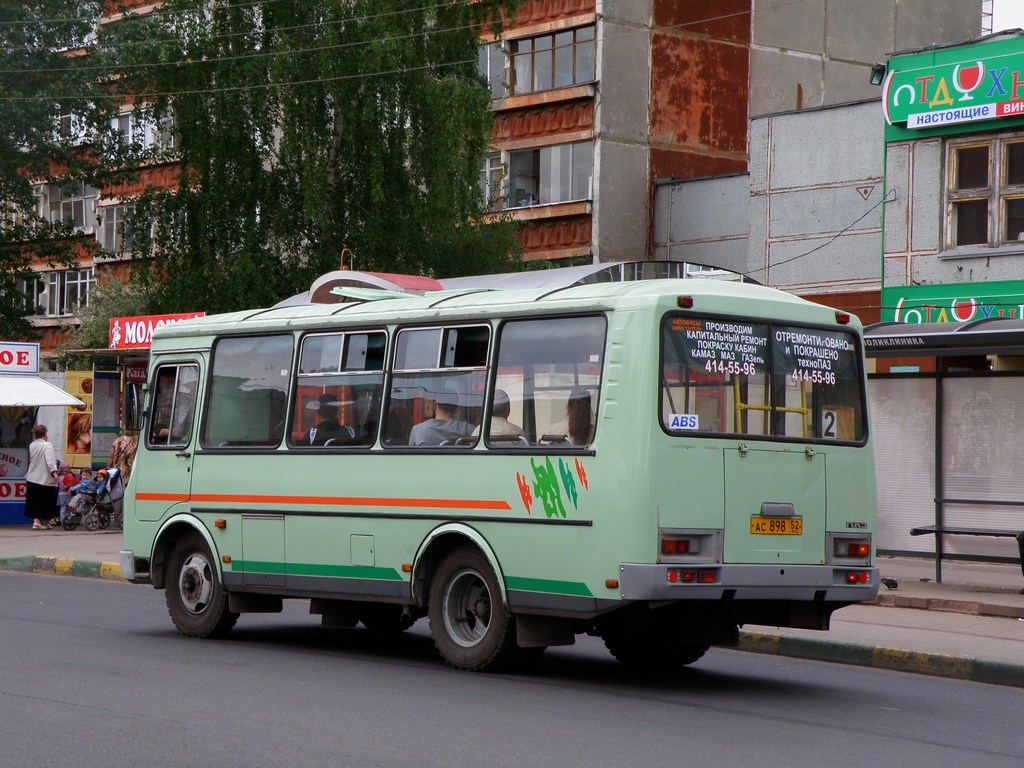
x=195 y=596
x=469 y=624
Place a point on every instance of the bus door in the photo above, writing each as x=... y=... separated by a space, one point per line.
x=244 y=425
x=774 y=505
x=170 y=439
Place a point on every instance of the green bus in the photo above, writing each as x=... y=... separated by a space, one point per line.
x=656 y=463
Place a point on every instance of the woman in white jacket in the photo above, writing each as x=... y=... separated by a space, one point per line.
x=41 y=480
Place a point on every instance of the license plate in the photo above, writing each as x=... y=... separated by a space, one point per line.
x=777 y=526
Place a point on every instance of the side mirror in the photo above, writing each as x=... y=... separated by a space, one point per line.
x=133 y=405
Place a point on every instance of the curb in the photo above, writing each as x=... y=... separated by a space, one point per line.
x=894 y=659
x=61 y=566
x=972 y=607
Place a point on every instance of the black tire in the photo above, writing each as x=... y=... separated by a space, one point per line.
x=195 y=597
x=654 y=649
x=385 y=618
x=468 y=621
x=68 y=524
x=92 y=522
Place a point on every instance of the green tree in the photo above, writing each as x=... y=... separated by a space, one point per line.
x=40 y=83
x=304 y=127
x=114 y=298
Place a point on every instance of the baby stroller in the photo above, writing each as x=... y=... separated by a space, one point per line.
x=93 y=502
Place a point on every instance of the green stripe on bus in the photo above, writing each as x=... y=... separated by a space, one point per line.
x=315 y=569
x=574 y=588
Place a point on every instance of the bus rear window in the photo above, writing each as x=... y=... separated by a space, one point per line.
x=735 y=376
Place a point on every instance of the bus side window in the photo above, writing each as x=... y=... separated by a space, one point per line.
x=249 y=379
x=339 y=387
x=550 y=369
x=436 y=397
x=174 y=403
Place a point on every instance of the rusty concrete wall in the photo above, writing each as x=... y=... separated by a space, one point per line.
x=699 y=75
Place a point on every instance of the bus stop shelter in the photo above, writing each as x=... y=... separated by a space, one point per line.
x=947 y=405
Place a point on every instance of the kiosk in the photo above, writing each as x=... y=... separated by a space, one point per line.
x=22 y=393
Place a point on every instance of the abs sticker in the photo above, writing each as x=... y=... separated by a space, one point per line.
x=682 y=421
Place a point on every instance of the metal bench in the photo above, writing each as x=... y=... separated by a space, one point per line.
x=954 y=530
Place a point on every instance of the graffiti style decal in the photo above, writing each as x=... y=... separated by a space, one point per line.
x=524 y=491
x=568 y=482
x=547 y=489
x=548 y=486
x=582 y=475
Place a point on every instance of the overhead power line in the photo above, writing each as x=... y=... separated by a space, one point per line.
x=339 y=46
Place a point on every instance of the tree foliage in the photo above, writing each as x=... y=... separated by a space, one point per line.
x=114 y=298
x=40 y=81
x=305 y=127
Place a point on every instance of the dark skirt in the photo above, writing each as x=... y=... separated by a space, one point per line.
x=41 y=501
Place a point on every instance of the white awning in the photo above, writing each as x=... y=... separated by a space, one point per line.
x=20 y=389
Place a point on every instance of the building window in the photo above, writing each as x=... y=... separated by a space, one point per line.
x=57 y=294
x=491 y=177
x=75 y=203
x=491 y=66
x=117 y=233
x=985 y=191
x=73 y=127
x=12 y=216
x=143 y=131
x=555 y=174
x=552 y=61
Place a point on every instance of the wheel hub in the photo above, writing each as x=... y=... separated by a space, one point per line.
x=196 y=583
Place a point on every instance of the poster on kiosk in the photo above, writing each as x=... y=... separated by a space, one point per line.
x=22 y=393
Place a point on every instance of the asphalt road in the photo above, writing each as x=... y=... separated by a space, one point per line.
x=94 y=674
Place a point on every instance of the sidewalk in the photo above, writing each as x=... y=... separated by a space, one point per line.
x=971 y=626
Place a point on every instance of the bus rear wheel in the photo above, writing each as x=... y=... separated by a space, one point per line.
x=469 y=624
x=654 y=649
x=195 y=597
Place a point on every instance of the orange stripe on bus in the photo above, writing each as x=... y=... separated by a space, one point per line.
x=348 y=501
x=161 y=497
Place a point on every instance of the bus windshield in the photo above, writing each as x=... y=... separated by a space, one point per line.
x=741 y=377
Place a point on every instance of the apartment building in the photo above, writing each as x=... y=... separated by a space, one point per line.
x=594 y=100
x=104 y=240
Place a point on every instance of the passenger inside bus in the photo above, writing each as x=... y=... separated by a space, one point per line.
x=577 y=415
x=327 y=430
x=445 y=428
x=500 y=426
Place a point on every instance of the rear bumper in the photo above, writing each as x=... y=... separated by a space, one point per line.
x=793 y=583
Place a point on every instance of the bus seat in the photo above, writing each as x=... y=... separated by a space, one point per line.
x=398 y=426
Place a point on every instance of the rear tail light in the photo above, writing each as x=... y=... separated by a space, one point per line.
x=675 y=546
x=707 y=576
x=857 y=577
x=853 y=549
x=692 y=576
